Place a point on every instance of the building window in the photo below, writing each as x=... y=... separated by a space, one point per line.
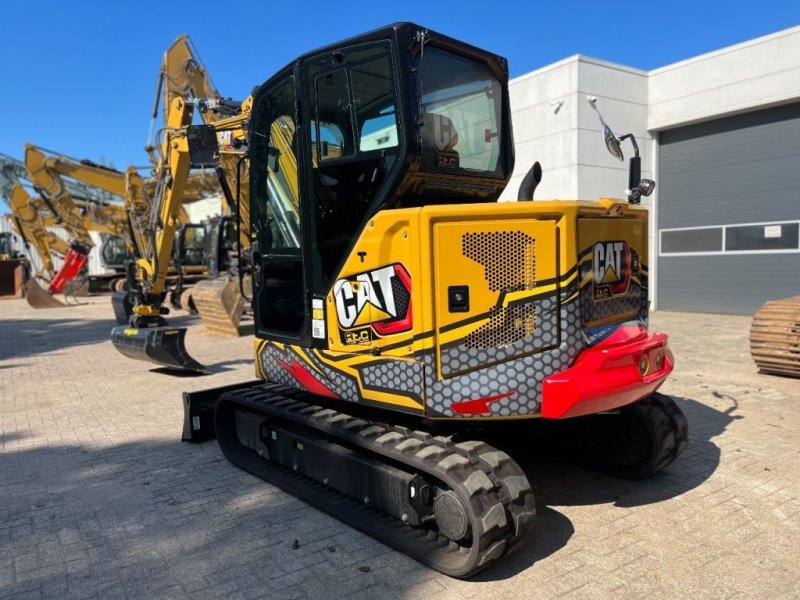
x=682 y=241
x=750 y=238
x=782 y=236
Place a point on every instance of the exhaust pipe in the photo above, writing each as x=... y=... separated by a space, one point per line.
x=529 y=183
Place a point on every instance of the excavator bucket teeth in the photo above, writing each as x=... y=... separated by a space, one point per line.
x=220 y=305
x=123 y=309
x=160 y=345
x=40 y=298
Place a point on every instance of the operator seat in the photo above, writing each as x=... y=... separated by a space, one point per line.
x=439 y=138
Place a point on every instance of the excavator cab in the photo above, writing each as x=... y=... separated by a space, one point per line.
x=396 y=118
x=6 y=249
x=114 y=252
x=190 y=246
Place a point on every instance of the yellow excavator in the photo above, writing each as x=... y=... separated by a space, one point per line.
x=401 y=312
x=145 y=337
x=218 y=299
x=53 y=174
x=31 y=216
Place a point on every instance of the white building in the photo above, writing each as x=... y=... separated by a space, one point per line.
x=720 y=134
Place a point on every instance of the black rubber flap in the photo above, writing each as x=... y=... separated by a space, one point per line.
x=160 y=345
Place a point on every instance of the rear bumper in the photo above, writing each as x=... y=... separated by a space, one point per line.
x=626 y=367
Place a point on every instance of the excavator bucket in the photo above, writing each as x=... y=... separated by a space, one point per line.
x=40 y=298
x=160 y=345
x=220 y=305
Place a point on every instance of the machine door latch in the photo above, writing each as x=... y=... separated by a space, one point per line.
x=458 y=298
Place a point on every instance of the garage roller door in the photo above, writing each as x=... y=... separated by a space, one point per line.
x=729 y=212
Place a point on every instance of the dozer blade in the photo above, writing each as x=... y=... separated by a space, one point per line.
x=41 y=298
x=123 y=309
x=160 y=345
x=220 y=305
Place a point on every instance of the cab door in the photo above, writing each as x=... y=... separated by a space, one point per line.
x=279 y=299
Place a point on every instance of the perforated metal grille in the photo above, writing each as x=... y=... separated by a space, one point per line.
x=507 y=258
x=507 y=325
x=401 y=297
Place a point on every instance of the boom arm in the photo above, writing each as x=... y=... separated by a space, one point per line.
x=173 y=172
x=185 y=77
x=44 y=174
x=27 y=218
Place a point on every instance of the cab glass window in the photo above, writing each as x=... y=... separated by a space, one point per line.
x=276 y=201
x=355 y=144
x=461 y=114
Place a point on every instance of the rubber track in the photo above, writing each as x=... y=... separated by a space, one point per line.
x=489 y=483
x=669 y=426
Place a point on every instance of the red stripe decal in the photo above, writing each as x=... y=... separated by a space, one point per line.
x=479 y=406
x=306 y=379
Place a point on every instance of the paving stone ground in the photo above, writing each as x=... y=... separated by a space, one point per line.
x=100 y=499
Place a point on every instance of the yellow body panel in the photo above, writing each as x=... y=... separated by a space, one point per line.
x=520 y=286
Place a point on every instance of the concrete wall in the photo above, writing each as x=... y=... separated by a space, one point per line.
x=545 y=132
x=555 y=125
x=755 y=74
x=204 y=209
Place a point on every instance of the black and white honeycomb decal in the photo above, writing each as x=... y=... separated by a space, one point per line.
x=463 y=357
x=523 y=375
x=602 y=309
x=405 y=377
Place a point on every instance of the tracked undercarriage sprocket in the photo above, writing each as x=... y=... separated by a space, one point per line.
x=775 y=337
x=456 y=507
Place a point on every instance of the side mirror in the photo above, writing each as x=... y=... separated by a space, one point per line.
x=612 y=143
x=637 y=187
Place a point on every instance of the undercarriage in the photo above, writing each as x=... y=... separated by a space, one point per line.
x=440 y=494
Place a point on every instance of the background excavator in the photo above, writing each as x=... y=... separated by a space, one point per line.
x=76 y=215
x=401 y=312
x=219 y=298
x=31 y=216
x=127 y=217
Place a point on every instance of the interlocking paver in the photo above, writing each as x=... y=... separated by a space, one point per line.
x=99 y=498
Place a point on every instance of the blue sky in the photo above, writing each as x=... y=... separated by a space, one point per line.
x=79 y=77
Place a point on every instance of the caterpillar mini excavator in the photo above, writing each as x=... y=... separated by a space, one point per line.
x=395 y=299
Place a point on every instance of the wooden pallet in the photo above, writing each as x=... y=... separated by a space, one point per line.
x=775 y=337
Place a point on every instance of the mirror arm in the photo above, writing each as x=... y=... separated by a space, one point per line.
x=632 y=138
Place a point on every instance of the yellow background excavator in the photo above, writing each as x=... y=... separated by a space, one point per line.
x=182 y=76
x=129 y=215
